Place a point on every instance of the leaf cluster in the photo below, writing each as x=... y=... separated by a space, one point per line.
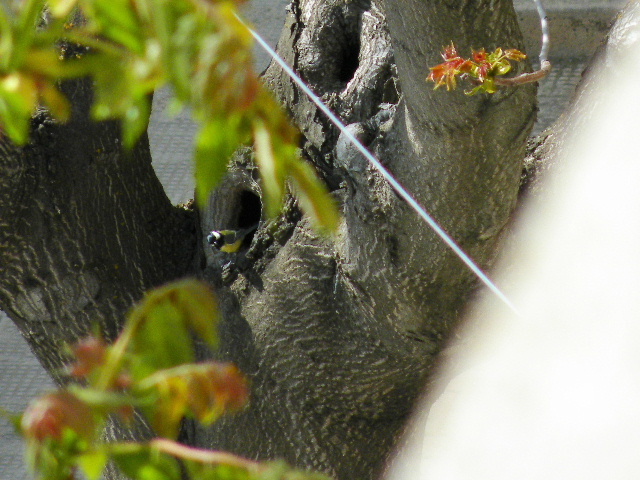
x=198 y=48
x=481 y=69
x=149 y=370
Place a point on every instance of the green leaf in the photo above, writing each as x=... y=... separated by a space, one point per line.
x=16 y=127
x=119 y=95
x=279 y=470
x=120 y=23
x=174 y=26
x=6 y=39
x=489 y=85
x=49 y=461
x=100 y=399
x=216 y=141
x=145 y=463
x=181 y=50
x=56 y=102
x=92 y=463
x=502 y=67
x=12 y=418
x=164 y=321
x=135 y=121
x=61 y=8
x=216 y=472
x=204 y=390
x=113 y=89
x=163 y=341
x=25 y=29
x=20 y=97
x=275 y=470
x=314 y=197
x=47 y=62
x=271 y=168
x=169 y=409
x=200 y=309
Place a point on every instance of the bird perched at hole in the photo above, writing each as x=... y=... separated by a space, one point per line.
x=229 y=241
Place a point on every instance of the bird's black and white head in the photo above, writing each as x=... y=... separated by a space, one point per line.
x=215 y=239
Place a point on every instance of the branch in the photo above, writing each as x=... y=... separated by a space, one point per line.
x=525 y=77
x=204 y=456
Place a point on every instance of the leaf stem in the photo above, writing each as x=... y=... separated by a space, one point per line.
x=26 y=28
x=116 y=353
x=88 y=40
x=200 y=455
x=6 y=39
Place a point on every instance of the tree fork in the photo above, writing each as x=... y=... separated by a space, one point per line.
x=338 y=335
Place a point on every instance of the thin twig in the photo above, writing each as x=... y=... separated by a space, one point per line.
x=525 y=77
x=545 y=64
x=200 y=455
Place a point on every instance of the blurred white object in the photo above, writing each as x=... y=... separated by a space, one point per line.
x=555 y=394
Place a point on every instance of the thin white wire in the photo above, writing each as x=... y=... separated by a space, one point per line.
x=383 y=171
x=544 y=27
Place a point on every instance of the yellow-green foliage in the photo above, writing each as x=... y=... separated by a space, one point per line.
x=197 y=47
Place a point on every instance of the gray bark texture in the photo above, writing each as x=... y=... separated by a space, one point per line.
x=85 y=229
x=338 y=335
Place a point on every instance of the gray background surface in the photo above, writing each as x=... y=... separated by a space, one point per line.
x=21 y=376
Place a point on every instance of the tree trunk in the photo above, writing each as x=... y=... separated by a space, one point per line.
x=85 y=229
x=337 y=335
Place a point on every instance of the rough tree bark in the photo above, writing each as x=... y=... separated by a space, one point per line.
x=337 y=335
x=85 y=229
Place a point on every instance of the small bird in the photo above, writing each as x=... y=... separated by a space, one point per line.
x=229 y=241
